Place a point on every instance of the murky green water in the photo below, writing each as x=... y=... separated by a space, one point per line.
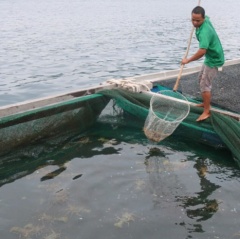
x=111 y=182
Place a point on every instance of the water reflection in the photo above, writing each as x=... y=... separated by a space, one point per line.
x=53 y=174
x=54 y=151
x=122 y=185
x=161 y=177
x=168 y=190
x=200 y=207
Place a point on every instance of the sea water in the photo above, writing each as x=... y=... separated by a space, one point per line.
x=110 y=182
x=55 y=46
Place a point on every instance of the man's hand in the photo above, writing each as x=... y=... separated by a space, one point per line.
x=200 y=53
x=185 y=61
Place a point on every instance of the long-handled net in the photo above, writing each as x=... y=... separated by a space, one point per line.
x=167 y=110
x=165 y=115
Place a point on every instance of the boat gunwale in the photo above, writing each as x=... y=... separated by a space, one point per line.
x=47 y=110
x=154 y=78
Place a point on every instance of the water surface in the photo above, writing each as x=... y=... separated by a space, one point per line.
x=114 y=184
x=109 y=182
x=55 y=46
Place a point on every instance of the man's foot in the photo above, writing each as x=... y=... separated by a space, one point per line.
x=203 y=116
x=200 y=105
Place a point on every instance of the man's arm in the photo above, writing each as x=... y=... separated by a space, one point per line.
x=200 y=53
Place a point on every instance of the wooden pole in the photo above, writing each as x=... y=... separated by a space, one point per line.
x=185 y=56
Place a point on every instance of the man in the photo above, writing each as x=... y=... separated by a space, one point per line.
x=210 y=46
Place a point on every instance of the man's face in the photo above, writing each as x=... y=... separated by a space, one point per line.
x=197 y=20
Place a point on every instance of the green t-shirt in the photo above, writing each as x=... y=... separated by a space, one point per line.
x=208 y=39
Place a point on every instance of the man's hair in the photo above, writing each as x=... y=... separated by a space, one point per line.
x=199 y=10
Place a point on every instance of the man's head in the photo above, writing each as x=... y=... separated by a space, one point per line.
x=198 y=16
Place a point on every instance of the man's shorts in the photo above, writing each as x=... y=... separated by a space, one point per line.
x=206 y=76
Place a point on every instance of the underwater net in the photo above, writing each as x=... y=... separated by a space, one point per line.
x=229 y=131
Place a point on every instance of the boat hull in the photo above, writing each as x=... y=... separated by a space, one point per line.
x=75 y=115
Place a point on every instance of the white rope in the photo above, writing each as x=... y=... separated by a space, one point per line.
x=131 y=85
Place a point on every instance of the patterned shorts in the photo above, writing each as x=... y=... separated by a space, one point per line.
x=206 y=76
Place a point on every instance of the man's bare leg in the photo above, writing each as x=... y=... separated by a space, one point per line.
x=206 y=95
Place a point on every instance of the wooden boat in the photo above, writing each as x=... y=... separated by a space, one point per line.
x=76 y=111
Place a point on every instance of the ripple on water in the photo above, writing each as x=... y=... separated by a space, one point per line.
x=90 y=42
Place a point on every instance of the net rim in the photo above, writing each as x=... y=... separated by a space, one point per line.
x=183 y=101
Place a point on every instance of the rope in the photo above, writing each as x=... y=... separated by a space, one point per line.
x=131 y=85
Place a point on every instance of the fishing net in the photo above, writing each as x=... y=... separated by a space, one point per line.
x=165 y=114
x=131 y=109
x=135 y=107
x=229 y=131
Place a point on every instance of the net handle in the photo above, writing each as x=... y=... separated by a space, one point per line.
x=175 y=88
